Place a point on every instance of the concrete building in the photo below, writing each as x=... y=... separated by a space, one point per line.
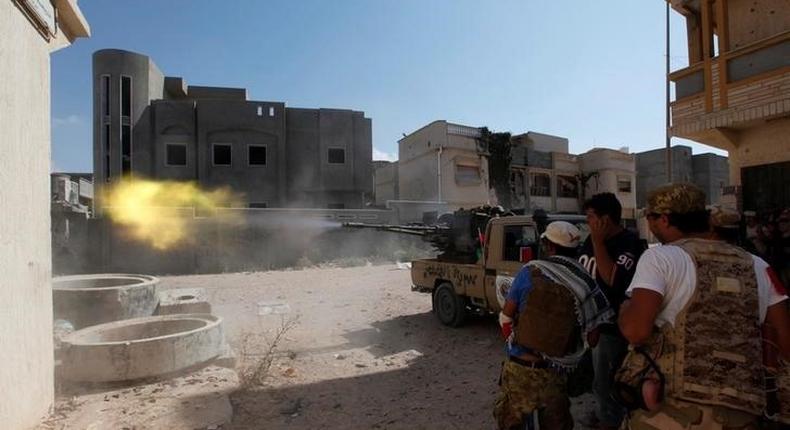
x=543 y=174
x=29 y=32
x=615 y=172
x=73 y=190
x=708 y=171
x=735 y=93
x=385 y=182
x=443 y=162
x=152 y=126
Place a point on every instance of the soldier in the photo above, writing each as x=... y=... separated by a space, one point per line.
x=551 y=306
x=693 y=320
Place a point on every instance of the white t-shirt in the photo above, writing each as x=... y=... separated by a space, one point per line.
x=669 y=271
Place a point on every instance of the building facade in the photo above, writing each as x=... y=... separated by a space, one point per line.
x=151 y=126
x=708 y=171
x=29 y=32
x=735 y=93
x=443 y=162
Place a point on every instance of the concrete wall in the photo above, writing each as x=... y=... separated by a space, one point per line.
x=26 y=374
x=266 y=239
x=611 y=166
x=711 y=173
x=386 y=183
x=760 y=145
x=753 y=20
x=651 y=170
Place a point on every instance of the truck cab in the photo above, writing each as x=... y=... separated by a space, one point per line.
x=457 y=288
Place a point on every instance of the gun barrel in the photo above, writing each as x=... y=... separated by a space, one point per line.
x=416 y=230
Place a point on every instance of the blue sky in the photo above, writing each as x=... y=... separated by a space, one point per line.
x=572 y=68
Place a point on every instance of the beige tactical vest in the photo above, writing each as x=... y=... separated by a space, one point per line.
x=548 y=322
x=712 y=355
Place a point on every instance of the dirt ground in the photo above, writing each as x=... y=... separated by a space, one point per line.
x=364 y=352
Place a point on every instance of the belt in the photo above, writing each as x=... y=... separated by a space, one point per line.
x=540 y=364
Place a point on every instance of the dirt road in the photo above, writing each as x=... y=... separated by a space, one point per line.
x=365 y=352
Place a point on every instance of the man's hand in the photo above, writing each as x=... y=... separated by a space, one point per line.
x=599 y=227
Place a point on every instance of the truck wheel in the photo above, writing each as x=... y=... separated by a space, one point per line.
x=449 y=307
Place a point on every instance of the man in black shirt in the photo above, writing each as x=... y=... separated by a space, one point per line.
x=610 y=254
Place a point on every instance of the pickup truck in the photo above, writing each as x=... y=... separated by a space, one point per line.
x=460 y=288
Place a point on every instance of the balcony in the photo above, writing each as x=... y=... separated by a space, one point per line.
x=718 y=97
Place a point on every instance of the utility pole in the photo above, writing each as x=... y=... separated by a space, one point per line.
x=668 y=112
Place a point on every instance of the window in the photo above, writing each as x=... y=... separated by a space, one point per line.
x=336 y=206
x=467 y=174
x=126 y=96
x=257 y=205
x=260 y=110
x=256 y=155
x=337 y=156
x=105 y=95
x=271 y=110
x=126 y=149
x=105 y=137
x=176 y=154
x=567 y=186
x=624 y=184
x=222 y=154
x=519 y=244
x=540 y=185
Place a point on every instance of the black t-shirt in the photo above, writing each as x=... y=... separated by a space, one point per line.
x=624 y=248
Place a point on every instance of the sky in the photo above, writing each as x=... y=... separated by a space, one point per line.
x=575 y=69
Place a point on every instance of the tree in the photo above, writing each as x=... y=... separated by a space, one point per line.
x=499 y=147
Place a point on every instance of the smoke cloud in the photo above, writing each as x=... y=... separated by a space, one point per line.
x=152 y=211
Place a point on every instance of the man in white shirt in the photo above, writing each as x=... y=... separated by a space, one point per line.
x=696 y=299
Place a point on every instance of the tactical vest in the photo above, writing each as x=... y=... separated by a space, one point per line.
x=548 y=323
x=713 y=354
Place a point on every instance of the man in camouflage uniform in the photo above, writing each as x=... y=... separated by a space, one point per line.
x=693 y=320
x=546 y=333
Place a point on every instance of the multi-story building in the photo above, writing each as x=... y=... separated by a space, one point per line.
x=708 y=171
x=29 y=32
x=735 y=93
x=443 y=162
x=152 y=126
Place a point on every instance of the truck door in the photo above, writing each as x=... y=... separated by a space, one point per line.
x=509 y=248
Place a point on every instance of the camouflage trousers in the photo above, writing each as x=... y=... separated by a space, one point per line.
x=528 y=394
x=681 y=415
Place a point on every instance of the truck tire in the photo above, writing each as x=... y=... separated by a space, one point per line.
x=449 y=307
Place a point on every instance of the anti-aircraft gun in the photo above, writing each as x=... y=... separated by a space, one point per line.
x=480 y=251
x=457 y=236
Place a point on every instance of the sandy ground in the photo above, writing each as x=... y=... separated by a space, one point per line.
x=364 y=352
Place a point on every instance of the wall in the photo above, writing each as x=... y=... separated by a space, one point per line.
x=611 y=165
x=711 y=173
x=417 y=162
x=760 y=145
x=386 y=183
x=266 y=239
x=651 y=170
x=26 y=374
x=752 y=20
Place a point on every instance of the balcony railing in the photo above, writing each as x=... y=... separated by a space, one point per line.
x=738 y=86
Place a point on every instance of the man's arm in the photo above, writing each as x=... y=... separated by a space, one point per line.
x=778 y=318
x=638 y=315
